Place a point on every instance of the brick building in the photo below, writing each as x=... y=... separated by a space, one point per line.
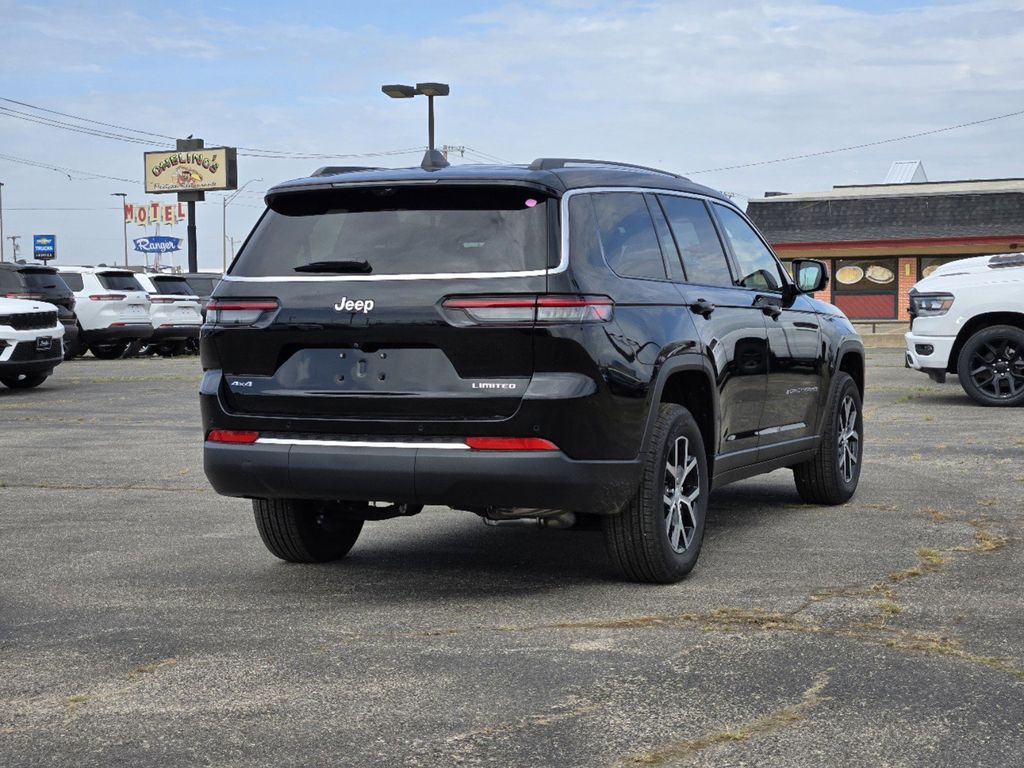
x=880 y=239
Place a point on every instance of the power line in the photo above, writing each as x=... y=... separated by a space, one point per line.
x=85 y=119
x=51 y=123
x=66 y=171
x=859 y=146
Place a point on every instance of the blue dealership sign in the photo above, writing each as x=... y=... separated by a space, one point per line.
x=44 y=247
x=157 y=244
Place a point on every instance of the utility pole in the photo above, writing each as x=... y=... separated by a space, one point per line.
x=124 y=198
x=14 y=246
x=1 y=221
x=446 y=148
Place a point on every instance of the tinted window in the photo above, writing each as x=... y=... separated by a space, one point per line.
x=203 y=286
x=758 y=267
x=698 y=243
x=9 y=281
x=402 y=230
x=627 y=234
x=74 y=280
x=44 y=281
x=119 y=281
x=174 y=286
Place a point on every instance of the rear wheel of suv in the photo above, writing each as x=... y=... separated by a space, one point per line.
x=831 y=477
x=24 y=380
x=991 y=366
x=109 y=351
x=657 y=536
x=305 y=531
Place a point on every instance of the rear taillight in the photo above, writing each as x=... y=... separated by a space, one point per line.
x=107 y=297
x=516 y=310
x=510 y=444
x=160 y=300
x=238 y=311
x=29 y=296
x=237 y=436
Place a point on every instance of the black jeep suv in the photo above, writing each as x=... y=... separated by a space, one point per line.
x=569 y=337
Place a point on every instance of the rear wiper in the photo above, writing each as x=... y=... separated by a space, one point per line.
x=336 y=266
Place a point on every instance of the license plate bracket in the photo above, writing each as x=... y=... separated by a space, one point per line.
x=44 y=344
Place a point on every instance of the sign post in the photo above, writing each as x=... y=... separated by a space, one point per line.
x=44 y=247
x=191 y=171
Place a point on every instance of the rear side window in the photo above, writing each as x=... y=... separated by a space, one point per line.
x=119 y=281
x=758 y=267
x=628 y=237
x=9 y=281
x=74 y=280
x=400 y=230
x=202 y=286
x=699 y=247
x=172 y=286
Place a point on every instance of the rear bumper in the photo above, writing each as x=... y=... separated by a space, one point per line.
x=131 y=332
x=169 y=332
x=457 y=478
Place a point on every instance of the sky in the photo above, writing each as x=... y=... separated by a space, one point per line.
x=687 y=86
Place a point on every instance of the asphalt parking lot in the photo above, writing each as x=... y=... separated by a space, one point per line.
x=143 y=623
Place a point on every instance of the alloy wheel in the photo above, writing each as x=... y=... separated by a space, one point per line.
x=682 y=489
x=849 y=439
x=997 y=368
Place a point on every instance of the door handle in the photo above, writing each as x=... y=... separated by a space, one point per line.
x=702 y=307
x=769 y=305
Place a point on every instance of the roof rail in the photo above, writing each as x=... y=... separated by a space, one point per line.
x=550 y=163
x=334 y=170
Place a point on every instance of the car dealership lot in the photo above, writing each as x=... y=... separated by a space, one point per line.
x=142 y=621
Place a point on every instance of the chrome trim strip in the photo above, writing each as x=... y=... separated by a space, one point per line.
x=783 y=428
x=361 y=444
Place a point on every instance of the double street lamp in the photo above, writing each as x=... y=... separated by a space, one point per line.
x=430 y=90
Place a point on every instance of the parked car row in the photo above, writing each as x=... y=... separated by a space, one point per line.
x=108 y=311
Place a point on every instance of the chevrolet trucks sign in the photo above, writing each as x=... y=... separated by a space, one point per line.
x=197 y=170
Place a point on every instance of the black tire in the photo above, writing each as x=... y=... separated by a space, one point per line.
x=24 y=380
x=644 y=539
x=831 y=477
x=991 y=366
x=109 y=351
x=305 y=531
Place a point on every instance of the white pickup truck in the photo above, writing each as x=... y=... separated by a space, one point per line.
x=968 y=319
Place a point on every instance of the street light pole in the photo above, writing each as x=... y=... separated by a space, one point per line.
x=430 y=90
x=224 y=223
x=124 y=221
x=1 y=221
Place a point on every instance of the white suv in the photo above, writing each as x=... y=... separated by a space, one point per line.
x=968 y=319
x=30 y=342
x=112 y=309
x=175 y=312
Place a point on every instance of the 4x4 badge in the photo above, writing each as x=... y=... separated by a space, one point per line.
x=358 y=305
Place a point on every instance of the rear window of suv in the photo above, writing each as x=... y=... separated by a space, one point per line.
x=398 y=231
x=119 y=281
x=172 y=286
x=44 y=280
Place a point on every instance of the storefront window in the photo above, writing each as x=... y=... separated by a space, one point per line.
x=928 y=264
x=866 y=288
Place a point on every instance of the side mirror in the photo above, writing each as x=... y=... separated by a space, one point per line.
x=810 y=275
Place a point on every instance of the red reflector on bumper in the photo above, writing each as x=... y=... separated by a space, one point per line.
x=232 y=436
x=510 y=444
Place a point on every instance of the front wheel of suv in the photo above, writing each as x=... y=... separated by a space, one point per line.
x=657 y=537
x=831 y=477
x=991 y=366
x=305 y=531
